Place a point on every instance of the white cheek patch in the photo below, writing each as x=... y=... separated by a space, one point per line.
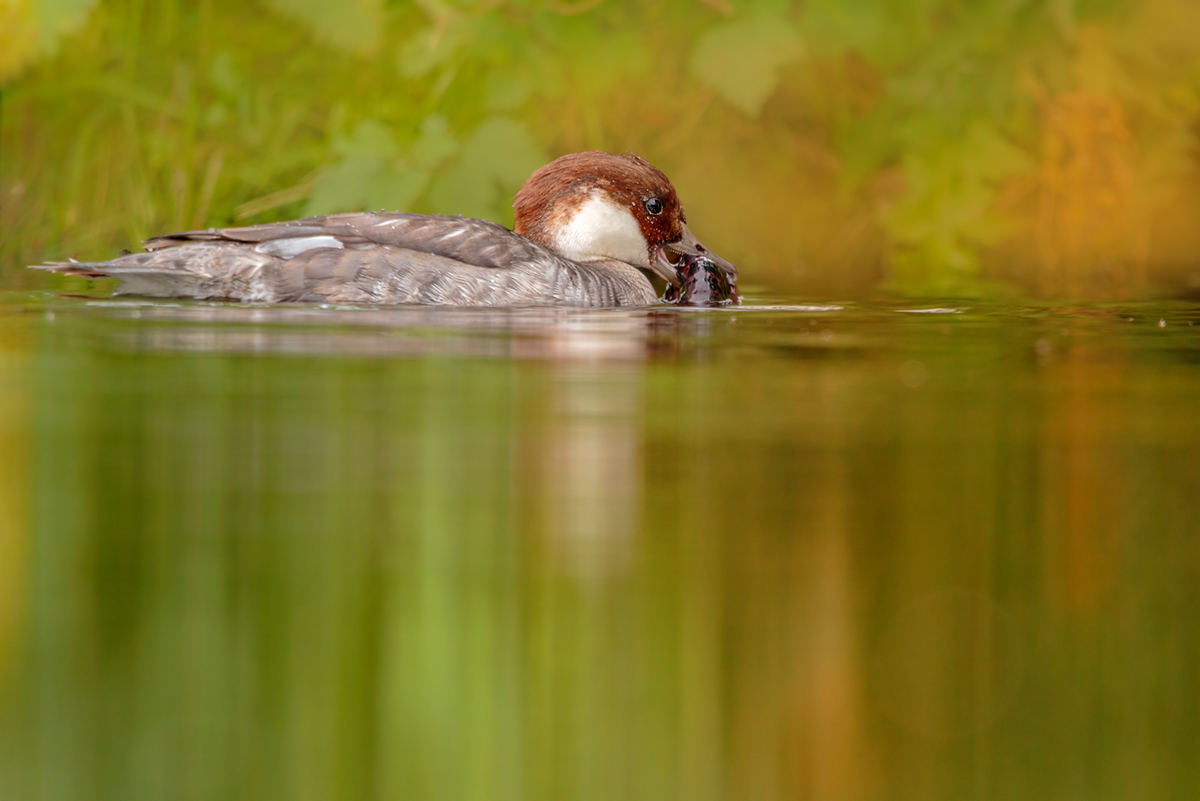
x=290 y=248
x=603 y=229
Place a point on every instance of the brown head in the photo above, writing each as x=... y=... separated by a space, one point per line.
x=594 y=206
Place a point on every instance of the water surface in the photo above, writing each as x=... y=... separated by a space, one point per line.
x=790 y=550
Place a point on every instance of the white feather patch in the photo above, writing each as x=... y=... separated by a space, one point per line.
x=290 y=248
x=602 y=229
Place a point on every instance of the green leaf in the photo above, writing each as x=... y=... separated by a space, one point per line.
x=340 y=187
x=371 y=139
x=57 y=18
x=372 y=174
x=434 y=144
x=599 y=62
x=225 y=76
x=428 y=49
x=492 y=165
x=741 y=60
x=992 y=155
x=353 y=26
x=394 y=189
x=506 y=91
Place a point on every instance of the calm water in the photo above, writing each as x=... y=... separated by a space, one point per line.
x=779 y=552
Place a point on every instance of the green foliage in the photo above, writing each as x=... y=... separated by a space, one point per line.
x=953 y=116
x=741 y=60
x=353 y=26
x=946 y=211
x=372 y=174
x=497 y=156
x=57 y=18
x=917 y=116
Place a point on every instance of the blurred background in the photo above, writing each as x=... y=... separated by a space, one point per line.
x=869 y=548
x=958 y=147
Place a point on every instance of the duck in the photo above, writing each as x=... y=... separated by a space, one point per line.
x=588 y=227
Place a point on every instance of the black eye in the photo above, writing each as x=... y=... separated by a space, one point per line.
x=654 y=206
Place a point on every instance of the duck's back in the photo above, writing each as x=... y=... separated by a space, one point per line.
x=374 y=258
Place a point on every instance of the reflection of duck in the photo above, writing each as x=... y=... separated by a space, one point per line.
x=586 y=225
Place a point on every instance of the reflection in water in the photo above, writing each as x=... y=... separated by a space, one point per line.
x=593 y=467
x=533 y=333
x=949 y=638
x=14 y=494
x=832 y=691
x=551 y=554
x=1083 y=463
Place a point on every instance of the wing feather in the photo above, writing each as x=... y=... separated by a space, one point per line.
x=476 y=242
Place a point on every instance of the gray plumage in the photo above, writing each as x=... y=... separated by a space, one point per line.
x=369 y=258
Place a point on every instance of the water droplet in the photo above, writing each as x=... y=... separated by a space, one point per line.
x=1043 y=347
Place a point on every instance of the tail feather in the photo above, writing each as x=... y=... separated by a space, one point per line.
x=85 y=269
x=129 y=264
x=195 y=271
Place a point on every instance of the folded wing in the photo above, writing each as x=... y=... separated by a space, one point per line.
x=476 y=242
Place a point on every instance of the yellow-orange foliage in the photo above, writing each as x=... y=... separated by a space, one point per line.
x=1087 y=229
